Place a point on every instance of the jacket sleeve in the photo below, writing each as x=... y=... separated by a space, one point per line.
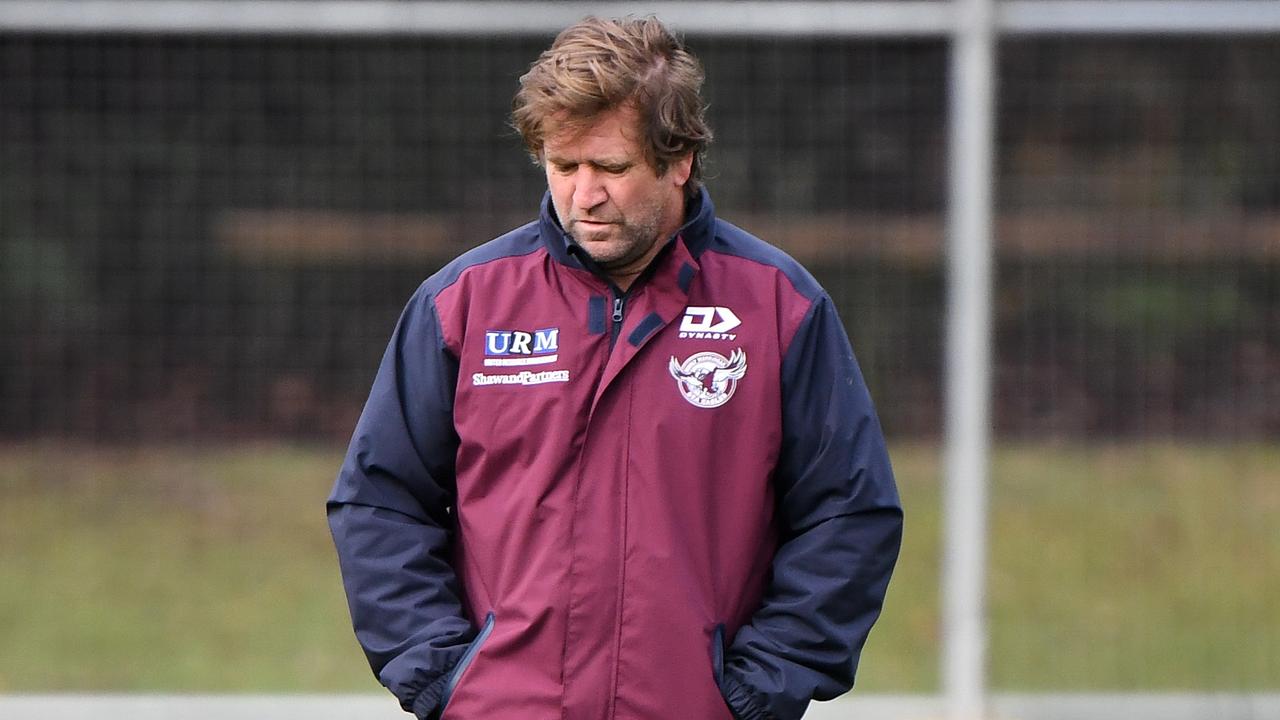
x=390 y=515
x=840 y=523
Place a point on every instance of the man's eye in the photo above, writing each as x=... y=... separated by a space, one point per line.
x=564 y=169
x=616 y=169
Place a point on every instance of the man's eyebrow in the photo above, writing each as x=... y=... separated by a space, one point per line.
x=617 y=162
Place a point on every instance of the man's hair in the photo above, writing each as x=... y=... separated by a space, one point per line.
x=598 y=65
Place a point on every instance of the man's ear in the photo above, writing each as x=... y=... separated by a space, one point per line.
x=680 y=169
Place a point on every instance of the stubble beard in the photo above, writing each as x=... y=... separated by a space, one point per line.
x=627 y=241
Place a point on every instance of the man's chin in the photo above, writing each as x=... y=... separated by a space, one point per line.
x=597 y=243
x=602 y=255
x=608 y=248
x=593 y=233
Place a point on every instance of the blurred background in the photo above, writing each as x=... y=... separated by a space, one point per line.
x=205 y=241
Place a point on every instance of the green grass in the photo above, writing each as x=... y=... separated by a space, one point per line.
x=171 y=569
x=1113 y=567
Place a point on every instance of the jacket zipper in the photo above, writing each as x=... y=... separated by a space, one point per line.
x=618 y=302
x=619 y=295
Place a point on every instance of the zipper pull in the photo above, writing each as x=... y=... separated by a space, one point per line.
x=617 y=310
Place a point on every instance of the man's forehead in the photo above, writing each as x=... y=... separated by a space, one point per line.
x=617 y=130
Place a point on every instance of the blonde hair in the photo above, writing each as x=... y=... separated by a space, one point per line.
x=598 y=65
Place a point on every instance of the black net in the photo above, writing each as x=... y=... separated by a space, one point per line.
x=210 y=237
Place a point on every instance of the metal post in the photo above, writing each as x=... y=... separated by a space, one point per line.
x=968 y=359
x=711 y=18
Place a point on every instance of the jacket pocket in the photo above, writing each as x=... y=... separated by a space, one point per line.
x=455 y=675
x=717 y=656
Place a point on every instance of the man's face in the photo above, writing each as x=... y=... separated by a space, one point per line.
x=608 y=198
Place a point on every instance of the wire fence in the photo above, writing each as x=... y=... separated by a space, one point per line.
x=211 y=237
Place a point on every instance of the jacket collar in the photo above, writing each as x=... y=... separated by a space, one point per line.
x=696 y=233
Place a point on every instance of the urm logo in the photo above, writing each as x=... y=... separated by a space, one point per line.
x=517 y=347
x=517 y=342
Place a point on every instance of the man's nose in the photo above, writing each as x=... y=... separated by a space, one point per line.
x=588 y=188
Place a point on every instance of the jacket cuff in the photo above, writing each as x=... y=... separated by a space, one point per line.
x=744 y=702
x=426 y=705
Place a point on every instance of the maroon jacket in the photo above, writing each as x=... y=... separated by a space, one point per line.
x=563 y=502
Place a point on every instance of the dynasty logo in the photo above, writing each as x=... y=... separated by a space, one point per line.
x=708 y=323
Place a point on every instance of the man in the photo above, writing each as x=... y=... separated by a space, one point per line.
x=619 y=462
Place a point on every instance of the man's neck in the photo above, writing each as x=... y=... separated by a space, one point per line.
x=624 y=277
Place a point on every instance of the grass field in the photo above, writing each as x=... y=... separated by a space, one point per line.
x=1113 y=567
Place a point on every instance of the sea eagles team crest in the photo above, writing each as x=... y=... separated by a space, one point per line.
x=708 y=379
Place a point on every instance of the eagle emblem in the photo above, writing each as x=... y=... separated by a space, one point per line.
x=708 y=379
